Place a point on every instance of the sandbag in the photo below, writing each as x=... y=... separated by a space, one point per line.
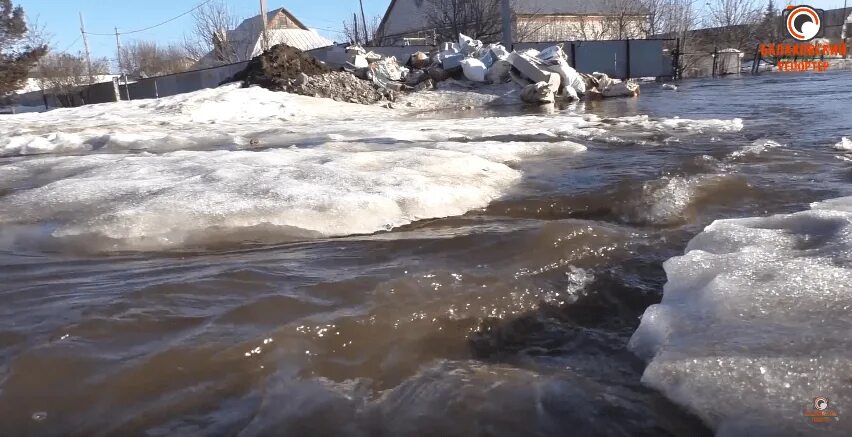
x=468 y=45
x=569 y=93
x=498 y=51
x=540 y=92
x=499 y=72
x=420 y=60
x=621 y=89
x=570 y=77
x=474 y=70
x=552 y=53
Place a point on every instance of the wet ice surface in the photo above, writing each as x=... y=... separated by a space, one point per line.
x=199 y=265
x=755 y=320
x=125 y=188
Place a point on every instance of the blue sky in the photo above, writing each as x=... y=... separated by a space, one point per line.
x=101 y=16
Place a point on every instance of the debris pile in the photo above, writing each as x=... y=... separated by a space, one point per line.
x=340 y=86
x=544 y=76
x=362 y=76
x=284 y=68
x=275 y=68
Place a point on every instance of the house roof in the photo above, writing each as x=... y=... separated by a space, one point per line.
x=255 y=23
x=298 y=38
x=246 y=39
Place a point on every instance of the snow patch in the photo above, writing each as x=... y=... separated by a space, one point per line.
x=165 y=201
x=754 y=322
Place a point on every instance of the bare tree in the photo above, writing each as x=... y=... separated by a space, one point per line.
x=737 y=22
x=147 y=58
x=64 y=75
x=621 y=19
x=39 y=36
x=482 y=20
x=350 y=26
x=209 y=33
x=587 y=28
x=479 y=19
x=626 y=19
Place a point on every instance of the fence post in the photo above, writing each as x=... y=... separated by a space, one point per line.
x=755 y=63
x=156 y=90
x=627 y=50
x=677 y=70
x=116 y=89
x=715 y=60
x=127 y=87
x=573 y=56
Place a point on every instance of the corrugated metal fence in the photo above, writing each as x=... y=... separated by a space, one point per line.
x=617 y=58
x=179 y=83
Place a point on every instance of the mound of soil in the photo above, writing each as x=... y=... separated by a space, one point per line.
x=276 y=67
x=284 y=68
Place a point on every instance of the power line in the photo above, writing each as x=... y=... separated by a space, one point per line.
x=154 y=26
x=70 y=45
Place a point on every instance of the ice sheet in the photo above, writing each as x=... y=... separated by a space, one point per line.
x=754 y=322
x=228 y=164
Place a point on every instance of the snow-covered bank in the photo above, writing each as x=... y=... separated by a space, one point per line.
x=231 y=164
x=754 y=322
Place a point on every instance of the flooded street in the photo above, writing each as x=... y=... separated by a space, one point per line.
x=373 y=274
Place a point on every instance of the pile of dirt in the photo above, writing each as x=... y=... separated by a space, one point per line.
x=284 y=68
x=340 y=86
x=276 y=67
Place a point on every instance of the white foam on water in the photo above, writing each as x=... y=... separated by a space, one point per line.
x=672 y=199
x=844 y=144
x=755 y=322
x=756 y=148
x=681 y=124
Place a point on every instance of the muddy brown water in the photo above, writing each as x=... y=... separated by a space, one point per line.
x=508 y=320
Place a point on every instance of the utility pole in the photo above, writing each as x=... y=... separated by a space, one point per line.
x=355 y=22
x=118 y=50
x=506 y=15
x=364 y=23
x=86 y=46
x=263 y=12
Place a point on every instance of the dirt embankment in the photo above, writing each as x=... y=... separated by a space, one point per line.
x=284 y=68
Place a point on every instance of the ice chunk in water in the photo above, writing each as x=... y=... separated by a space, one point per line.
x=755 y=322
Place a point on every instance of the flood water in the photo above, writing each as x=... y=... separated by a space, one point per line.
x=509 y=318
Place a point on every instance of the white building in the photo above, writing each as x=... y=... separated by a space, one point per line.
x=532 y=20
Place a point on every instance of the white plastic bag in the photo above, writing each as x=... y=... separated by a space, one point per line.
x=552 y=53
x=569 y=93
x=468 y=45
x=620 y=89
x=474 y=69
x=498 y=51
x=570 y=77
x=499 y=71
